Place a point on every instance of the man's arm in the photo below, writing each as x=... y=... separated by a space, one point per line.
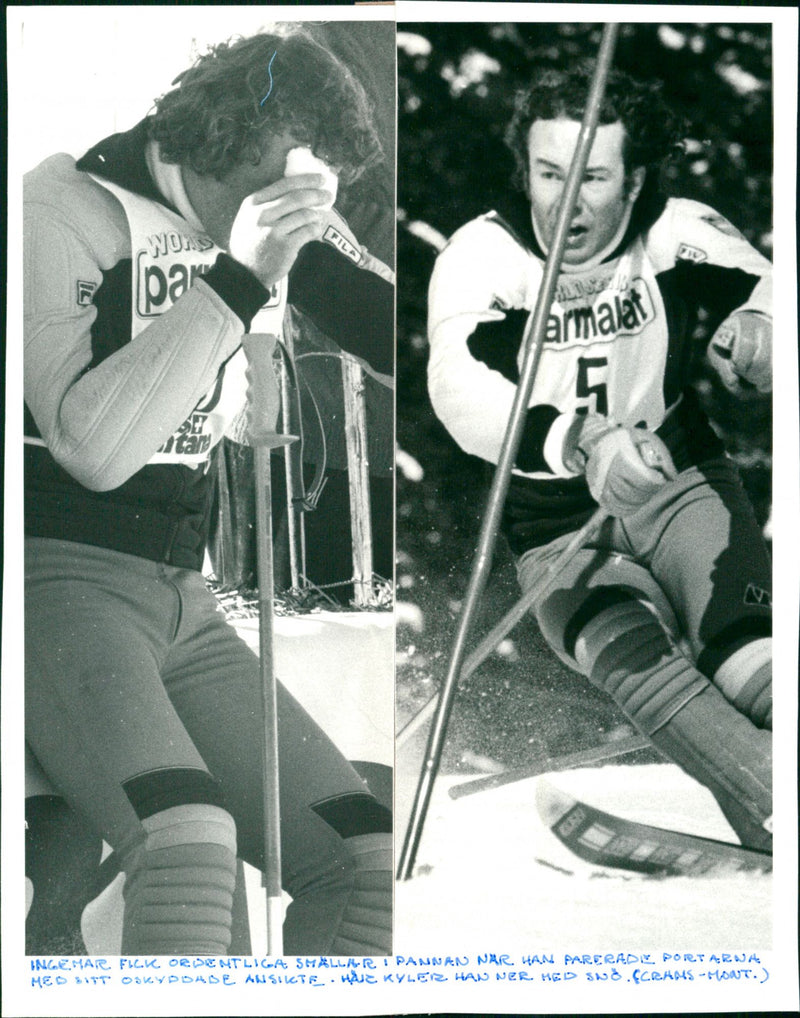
x=347 y=300
x=482 y=284
x=102 y=422
x=734 y=283
x=731 y=273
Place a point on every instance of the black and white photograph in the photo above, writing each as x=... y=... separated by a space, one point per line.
x=585 y=496
x=208 y=250
x=400 y=494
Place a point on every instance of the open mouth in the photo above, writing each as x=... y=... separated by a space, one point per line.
x=576 y=233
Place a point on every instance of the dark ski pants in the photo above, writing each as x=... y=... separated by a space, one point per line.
x=132 y=671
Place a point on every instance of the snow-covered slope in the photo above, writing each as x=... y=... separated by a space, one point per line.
x=490 y=875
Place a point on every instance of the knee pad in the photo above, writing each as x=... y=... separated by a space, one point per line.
x=745 y=679
x=179 y=883
x=355 y=813
x=343 y=905
x=365 y=825
x=625 y=651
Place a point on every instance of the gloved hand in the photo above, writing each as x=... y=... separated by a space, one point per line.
x=273 y=224
x=740 y=352
x=624 y=467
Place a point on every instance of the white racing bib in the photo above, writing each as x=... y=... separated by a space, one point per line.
x=167 y=256
x=605 y=346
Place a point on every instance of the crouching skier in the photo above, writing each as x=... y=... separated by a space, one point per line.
x=667 y=608
x=145 y=263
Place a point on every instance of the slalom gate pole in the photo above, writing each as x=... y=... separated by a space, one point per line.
x=492 y=640
x=355 y=433
x=264 y=401
x=533 y=340
x=543 y=765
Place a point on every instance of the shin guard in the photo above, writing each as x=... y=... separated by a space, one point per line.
x=745 y=679
x=366 y=923
x=625 y=651
x=720 y=747
x=179 y=883
x=345 y=908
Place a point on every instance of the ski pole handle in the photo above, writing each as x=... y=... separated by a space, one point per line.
x=263 y=394
x=656 y=456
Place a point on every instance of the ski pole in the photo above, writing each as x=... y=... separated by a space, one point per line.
x=263 y=403
x=491 y=641
x=534 y=336
x=546 y=764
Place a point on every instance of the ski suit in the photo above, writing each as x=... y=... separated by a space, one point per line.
x=618 y=342
x=141 y=700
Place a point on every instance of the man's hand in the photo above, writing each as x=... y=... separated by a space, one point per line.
x=273 y=224
x=740 y=352
x=624 y=467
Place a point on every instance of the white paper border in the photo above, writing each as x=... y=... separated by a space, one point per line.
x=781 y=993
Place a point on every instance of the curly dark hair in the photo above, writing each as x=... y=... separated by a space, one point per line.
x=238 y=93
x=653 y=133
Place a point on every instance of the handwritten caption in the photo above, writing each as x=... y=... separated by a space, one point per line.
x=618 y=967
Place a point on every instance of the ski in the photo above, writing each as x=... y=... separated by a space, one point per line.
x=608 y=840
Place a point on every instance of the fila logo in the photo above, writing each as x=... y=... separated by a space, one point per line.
x=85 y=292
x=333 y=237
x=756 y=596
x=687 y=253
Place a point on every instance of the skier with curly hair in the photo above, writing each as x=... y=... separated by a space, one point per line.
x=146 y=261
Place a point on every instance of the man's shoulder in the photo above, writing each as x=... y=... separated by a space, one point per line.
x=684 y=219
x=483 y=266
x=487 y=239
x=60 y=185
x=683 y=210
x=687 y=231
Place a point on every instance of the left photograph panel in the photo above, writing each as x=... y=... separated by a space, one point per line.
x=206 y=213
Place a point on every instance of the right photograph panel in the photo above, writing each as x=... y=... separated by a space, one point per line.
x=584 y=707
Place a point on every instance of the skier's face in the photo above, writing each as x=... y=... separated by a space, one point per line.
x=605 y=194
x=219 y=200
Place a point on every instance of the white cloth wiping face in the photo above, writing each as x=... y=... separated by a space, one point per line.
x=303 y=160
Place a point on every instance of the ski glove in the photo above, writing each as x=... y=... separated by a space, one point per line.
x=624 y=467
x=273 y=224
x=740 y=352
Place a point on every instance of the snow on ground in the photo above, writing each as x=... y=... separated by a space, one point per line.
x=490 y=875
x=340 y=666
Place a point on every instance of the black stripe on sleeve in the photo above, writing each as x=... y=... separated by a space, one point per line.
x=538 y=421
x=238 y=287
x=353 y=307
